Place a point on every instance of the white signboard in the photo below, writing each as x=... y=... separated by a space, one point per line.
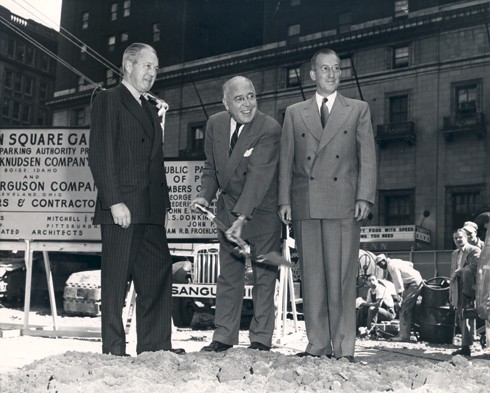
x=184 y=183
x=47 y=191
x=407 y=233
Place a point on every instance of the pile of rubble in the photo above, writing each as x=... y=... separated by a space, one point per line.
x=244 y=370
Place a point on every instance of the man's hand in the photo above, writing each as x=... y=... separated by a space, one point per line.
x=362 y=209
x=235 y=231
x=121 y=215
x=285 y=214
x=198 y=201
x=456 y=274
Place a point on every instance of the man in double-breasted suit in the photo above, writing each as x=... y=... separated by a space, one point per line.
x=126 y=160
x=242 y=150
x=327 y=185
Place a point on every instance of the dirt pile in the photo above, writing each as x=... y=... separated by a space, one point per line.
x=243 y=370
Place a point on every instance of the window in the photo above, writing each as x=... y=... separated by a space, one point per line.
x=28 y=83
x=109 y=76
x=293 y=76
x=401 y=8
x=79 y=117
x=11 y=47
x=400 y=57
x=397 y=207
x=111 y=43
x=344 y=22
x=41 y=117
x=294 y=30
x=6 y=107
x=127 y=8
x=124 y=36
x=29 y=55
x=26 y=113
x=156 y=32
x=44 y=62
x=18 y=83
x=295 y=3
x=20 y=52
x=398 y=109
x=196 y=139
x=43 y=90
x=16 y=110
x=466 y=100
x=85 y=16
x=9 y=79
x=83 y=52
x=113 y=11
x=346 y=67
x=463 y=203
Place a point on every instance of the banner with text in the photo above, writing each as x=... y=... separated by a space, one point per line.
x=47 y=191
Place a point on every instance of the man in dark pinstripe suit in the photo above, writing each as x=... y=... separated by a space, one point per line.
x=126 y=161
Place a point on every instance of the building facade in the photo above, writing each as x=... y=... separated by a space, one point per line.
x=27 y=73
x=423 y=67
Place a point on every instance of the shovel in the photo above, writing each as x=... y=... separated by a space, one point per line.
x=272 y=258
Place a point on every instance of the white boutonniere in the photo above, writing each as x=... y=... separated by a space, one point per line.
x=248 y=152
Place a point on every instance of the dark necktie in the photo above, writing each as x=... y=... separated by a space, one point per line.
x=146 y=108
x=324 y=112
x=234 y=137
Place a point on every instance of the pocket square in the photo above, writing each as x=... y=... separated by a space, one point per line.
x=248 y=152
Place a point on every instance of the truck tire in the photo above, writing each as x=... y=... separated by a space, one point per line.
x=182 y=311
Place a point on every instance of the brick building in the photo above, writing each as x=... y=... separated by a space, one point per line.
x=27 y=73
x=422 y=65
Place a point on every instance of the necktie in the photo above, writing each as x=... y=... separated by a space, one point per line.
x=324 y=112
x=234 y=137
x=144 y=105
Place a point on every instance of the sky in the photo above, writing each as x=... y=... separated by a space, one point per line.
x=47 y=12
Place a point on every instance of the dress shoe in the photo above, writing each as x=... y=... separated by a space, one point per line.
x=349 y=358
x=463 y=351
x=116 y=353
x=177 y=351
x=259 y=346
x=306 y=354
x=216 y=346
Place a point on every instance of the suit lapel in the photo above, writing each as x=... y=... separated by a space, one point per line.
x=138 y=112
x=246 y=137
x=222 y=142
x=157 y=132
x=311 y=117
x=340 y=112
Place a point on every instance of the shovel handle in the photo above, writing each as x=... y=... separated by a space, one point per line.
x=211 y=216
x=221 y=226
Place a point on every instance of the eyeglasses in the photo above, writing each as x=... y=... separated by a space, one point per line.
x=241 y=99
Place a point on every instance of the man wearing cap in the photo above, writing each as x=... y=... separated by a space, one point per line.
x=408 y=285
x=464 y=264
x=471 y=229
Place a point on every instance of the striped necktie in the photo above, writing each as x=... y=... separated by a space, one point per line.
x=234 y=137
x=324 y=112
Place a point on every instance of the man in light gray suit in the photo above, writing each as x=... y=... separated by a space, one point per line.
x=327 y=186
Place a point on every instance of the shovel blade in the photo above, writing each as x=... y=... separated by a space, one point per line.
x=273 y=258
